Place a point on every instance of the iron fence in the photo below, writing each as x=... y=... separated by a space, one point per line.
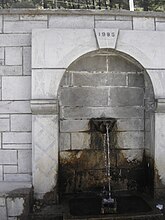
x=140 y=5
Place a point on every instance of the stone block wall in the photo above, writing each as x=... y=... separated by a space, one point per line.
x=103 y=85
x=15 y=112
x=101 y=89
x=15 y=80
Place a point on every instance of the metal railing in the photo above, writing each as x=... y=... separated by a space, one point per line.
x=140 y=5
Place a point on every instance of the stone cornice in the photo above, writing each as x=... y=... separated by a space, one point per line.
x=44 y=107
x=160 y=106
x=80 y=12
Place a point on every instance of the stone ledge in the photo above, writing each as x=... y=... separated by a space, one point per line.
x=160 y=106
x=44 y=107
x=80 y=12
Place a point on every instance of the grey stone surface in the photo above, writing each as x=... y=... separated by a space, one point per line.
x=4 y=124
x=147 y=124
x=8 y=156
x=9 y=17
x=1 y=173
x=158 y=78
x=15 y=206
x=147 y=142
x=45 y=56
x=104 y=18
x=1 y=26
x=26 y=60
x=15 y=107
x=45 y=155
x=74 y=125
x=65 y=141
x=45 y=83
x=149 y=95
x=18 y=177
x=17 y=138
x=130 y=124
x=126 y=97
x=80 y=140
x=143 y=52
x=21 y=122
x=66 y=79
x=132 y=140
x=118 y=63
x=15 y=40
x=10 y=169
x=159 y=145
x=94 y=112
x=99 y=79
x=71 y=21
x=91 y=63
x=2 y=53
x=16 y=146
x=136 y=80
x=143 y=23
x=84 y=97
x=10 y=70
x=160 y=26
x=13 y=56
x=123 y=25
x=3 y=212
x=23 y=26
x=16 y=88
x=24 y=161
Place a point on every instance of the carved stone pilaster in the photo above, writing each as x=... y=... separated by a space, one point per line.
x=45 y=147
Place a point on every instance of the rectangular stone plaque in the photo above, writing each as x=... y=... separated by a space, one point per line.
x=106 y=38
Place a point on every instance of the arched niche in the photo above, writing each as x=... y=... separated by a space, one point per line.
x=106 y=84
x=53 y=51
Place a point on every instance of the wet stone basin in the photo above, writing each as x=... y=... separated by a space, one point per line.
x=90 y=204
x=85 y=204
x=132 y=204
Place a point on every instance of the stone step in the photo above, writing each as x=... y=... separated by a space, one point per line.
x=156 y=216
x=45 y=217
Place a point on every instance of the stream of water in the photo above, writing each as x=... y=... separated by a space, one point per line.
x=107 y=161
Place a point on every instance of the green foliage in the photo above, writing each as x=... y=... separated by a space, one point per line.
x=150 y=5
x=23 y=4
x=140 y=5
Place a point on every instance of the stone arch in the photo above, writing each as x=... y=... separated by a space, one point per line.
x=53 y=50
x=131 y=60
